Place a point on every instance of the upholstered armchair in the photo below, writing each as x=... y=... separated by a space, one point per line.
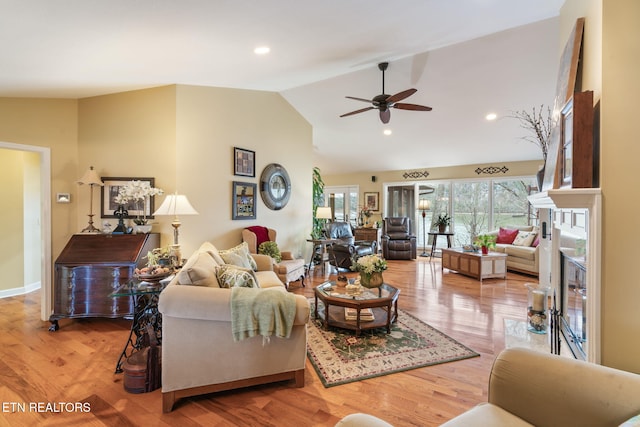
x=346 y=248
x=398 y=242
x=289 y=269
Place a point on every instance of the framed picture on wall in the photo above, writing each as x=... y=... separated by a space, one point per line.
x=135 y=209
x=372 y=201
x=244 y=162
x=243 y=200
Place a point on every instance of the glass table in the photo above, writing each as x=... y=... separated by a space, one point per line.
x=381 y=302
x=147 y=320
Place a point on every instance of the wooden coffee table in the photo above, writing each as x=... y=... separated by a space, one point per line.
x=383 y=302
x=474 y=264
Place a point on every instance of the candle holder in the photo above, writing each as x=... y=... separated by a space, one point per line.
x=537 y=316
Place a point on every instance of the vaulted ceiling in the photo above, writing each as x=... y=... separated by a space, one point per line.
x=467 y=58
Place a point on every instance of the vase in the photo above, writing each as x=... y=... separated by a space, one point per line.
x=371 y=280
x=485 y=250
x=442 y=228
x=143 y=229
x=537 y=321
x=540 y=177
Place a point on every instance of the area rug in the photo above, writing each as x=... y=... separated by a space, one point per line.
x=340 y=358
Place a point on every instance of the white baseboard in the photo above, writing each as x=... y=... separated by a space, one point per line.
x=6 y=293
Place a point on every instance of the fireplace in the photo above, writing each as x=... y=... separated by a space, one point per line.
x=573 y=303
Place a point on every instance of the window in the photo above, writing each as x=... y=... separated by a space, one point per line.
x=343 y=202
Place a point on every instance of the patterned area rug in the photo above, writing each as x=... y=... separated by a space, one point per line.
x=340 y=358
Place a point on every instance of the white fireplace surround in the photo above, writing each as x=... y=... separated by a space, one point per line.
x=565 y=206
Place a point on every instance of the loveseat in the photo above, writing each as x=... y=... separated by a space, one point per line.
x=528 y=388
x=199 y=352
x=520 y=245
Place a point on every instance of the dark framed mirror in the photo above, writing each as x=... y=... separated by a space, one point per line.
x=275 y=186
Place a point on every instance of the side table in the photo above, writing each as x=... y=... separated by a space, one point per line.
x=145 y=297
x=435 y=235
x=320 y=245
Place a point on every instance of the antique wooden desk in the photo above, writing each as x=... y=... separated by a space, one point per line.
x=90 y=268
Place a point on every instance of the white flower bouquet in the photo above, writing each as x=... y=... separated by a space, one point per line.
x=370 y=264
x=137 y=192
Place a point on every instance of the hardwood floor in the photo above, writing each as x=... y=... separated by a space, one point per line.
x=75 y=365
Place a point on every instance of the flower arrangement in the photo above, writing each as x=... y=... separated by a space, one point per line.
x=485 y=241
x=443 y=219
x=369 y=264
x=137 y=192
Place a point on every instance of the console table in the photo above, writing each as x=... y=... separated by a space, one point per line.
x=90 y=268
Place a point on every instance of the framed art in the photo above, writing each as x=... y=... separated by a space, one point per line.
x=372 y=201
x=135 y=209
x=243 y=200
x=244 y=162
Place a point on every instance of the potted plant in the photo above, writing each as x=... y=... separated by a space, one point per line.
x=370 y=268
x=443 y=221
x=271 y=249
x=486 y=242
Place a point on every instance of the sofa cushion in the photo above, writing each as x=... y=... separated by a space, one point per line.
x=506 y=235
x=199 y=270
x=524 y=238
x=232 y=258
x=230 y=276
x=524 y=252
x=268 y=279
x=243 y=250
x=213 y=251
x=486 y=414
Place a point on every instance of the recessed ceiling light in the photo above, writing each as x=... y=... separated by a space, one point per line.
x=387 y=132
x=491 y=116
x=261 y=50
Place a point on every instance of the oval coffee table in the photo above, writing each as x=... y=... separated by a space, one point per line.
x=382 y=301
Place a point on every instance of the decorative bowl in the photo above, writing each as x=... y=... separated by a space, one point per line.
x=153 y=277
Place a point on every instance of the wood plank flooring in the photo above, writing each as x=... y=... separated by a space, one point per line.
x=75 y=365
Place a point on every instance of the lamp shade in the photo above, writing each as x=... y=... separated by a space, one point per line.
x=323 y=212
x=90 y=177
x=176 y=204
x=424 y=205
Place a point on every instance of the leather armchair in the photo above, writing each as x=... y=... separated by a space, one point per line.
x=398 y=242
x=346 y=249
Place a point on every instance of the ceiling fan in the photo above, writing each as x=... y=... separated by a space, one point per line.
x=384 y=102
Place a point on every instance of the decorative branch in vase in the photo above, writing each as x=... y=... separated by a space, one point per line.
x=540 y=123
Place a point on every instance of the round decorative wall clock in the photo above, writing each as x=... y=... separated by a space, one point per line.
x=275 y=186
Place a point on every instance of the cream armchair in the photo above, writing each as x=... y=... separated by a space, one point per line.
x=290 y=269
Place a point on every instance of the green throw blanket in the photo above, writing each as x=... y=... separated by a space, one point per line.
x=263 y=312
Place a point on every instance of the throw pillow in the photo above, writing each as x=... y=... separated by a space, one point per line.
x=243 y=250
x=524 y=238
x=536 y=241
x=506 y=236
x=199 y=270
x=232 y=258
x=231 y=276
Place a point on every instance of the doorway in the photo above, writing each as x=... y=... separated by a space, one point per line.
x=33 y=190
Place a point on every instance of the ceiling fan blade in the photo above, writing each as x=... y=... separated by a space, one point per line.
x=385 y=115
x=415 y=107
x=358 y=99
x=357 y=111
x=401 y=95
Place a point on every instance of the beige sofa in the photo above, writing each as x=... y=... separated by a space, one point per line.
x=199 y=354
x=529 y=388
x=524 y=259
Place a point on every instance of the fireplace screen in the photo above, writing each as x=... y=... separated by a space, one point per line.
x=574 y=304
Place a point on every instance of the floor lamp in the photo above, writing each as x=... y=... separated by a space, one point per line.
x=424 y=205
x=91 y=179
x=176 y=204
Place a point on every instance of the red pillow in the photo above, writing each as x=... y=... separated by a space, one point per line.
x=506 y=236
x=536 y=242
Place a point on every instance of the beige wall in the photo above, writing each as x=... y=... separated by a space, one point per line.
x=48 y=123
x=12 y=219
x=211 y=121
x=183 y=136
x=611 y=58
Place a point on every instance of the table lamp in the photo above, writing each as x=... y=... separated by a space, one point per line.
x=91 y=179
x=424 y=205
x=176 y=204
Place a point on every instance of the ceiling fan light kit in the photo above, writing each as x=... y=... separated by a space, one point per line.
x=384 y=102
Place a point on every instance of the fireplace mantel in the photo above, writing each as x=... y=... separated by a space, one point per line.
x=559 y=201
